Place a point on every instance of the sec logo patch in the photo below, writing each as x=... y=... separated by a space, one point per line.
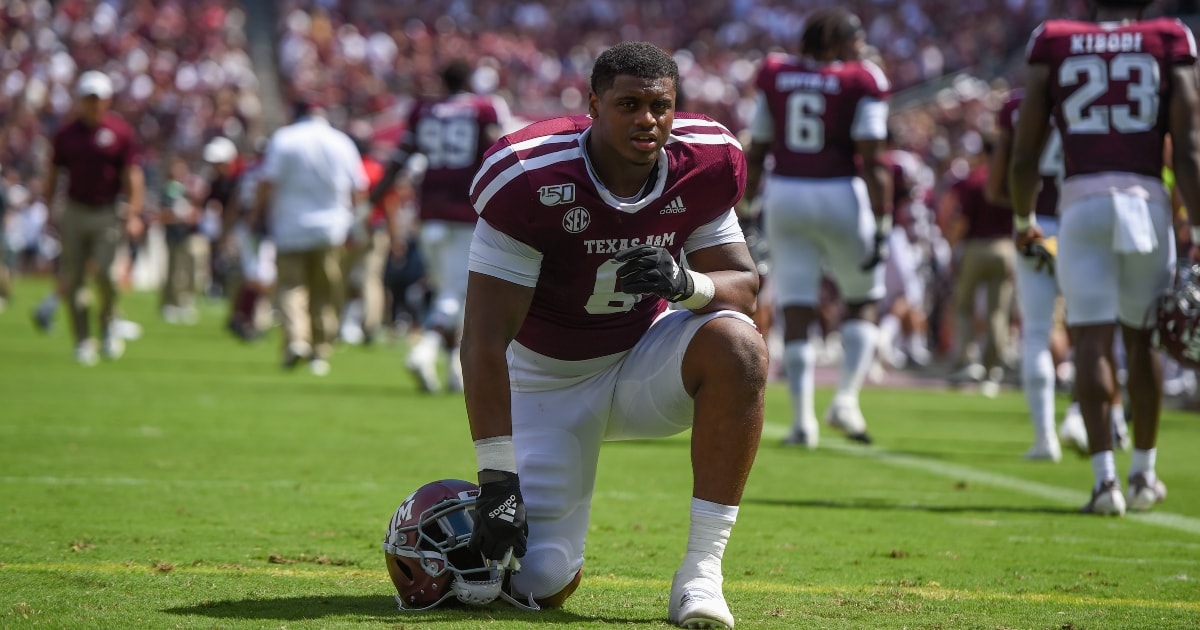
x=576 y=220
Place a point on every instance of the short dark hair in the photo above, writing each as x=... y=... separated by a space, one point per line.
x=456 y=74
x=1123 y=4
x=827 y=29
x=639 y=59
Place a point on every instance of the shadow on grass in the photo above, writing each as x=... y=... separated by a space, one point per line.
x=375 y=607
x=878 y=504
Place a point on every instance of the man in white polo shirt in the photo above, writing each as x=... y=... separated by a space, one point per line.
x=311 y=179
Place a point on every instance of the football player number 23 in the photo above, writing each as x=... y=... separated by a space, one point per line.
x=606 y=299
x=1092 y=74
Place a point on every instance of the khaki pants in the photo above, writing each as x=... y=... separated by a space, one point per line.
x=370 y=262
x=309 y=290
x=89 y=233
x=985 y=263
x=179 y=285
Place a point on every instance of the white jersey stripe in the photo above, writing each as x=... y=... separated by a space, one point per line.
x=507 y=151
x=507 y=175
x=707 y=138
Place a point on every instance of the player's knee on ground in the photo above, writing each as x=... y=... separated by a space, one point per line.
x=548 y=573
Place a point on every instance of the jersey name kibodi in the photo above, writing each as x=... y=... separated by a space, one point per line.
x=1110 y=86
x=536 y=186
x=814 y=108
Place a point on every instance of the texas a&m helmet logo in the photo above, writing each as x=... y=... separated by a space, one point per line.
x=576 y=220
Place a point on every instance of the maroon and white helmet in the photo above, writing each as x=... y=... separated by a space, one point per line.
x=1177 y=329
x=427 y=554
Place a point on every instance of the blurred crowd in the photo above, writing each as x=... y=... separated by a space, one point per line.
x=184 y=76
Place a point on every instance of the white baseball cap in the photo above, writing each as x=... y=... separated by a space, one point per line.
x=94 y=83
x=220 y=150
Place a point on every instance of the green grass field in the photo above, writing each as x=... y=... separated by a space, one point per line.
x=193 y=484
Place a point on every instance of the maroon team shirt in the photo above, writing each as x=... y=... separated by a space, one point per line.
x=1047 y=198
x=452 y=133
x=985 y=220
x=1110 y=86
x=535 y=187
x=94 y=157
x=812 y=106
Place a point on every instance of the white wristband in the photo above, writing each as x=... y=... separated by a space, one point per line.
x=1195 y=235
x=1022 y=223
x=496 y=453
x=703 y=291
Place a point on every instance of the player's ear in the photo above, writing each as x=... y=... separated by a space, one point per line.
x=593 y=105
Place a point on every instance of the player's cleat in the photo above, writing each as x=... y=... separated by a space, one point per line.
x=112 y=347
x=1107 y=500
x=1048 y=452
x=294 y=353
x=319 y=367
x=1072 y=432
x=422 y=364
x=696 y=598
x=1144 y=494
x=806 y=435
x=971 y=373
x=85 y=353
x=845 y=416
x=43 y=319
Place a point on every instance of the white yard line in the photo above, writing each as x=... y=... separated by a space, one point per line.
x=962 y=472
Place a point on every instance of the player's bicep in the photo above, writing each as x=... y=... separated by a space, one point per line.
x=725 y=257
x=507 y=303
x=1184 y=120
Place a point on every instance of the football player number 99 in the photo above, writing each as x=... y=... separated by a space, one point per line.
x=606 y=299
x=805 y=131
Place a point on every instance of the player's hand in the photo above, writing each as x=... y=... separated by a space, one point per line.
x=650 y=269
x=879 y=252
x=1025 y=239
x=134 y=227
x=499 y=516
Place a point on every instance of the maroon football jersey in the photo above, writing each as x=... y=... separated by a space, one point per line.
x=1109 y=87
x=452 y=133
x=813 y=106
x=1050 y=164
x=94 y=157
x=536 y=187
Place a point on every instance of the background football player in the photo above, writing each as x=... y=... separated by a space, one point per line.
x=1116 y=86
x=818 y=114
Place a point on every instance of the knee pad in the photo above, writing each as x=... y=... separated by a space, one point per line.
x=547 y=568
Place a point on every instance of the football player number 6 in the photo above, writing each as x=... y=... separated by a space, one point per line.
x=1092 y=73
x=805 y=131
x=605 y=299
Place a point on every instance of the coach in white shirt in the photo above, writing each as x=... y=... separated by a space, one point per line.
x=312 y=177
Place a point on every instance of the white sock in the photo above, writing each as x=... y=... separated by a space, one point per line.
x=709 y=531
x=1118 y=418
x=800 y=360
x=1142 y=461
x=889 y=329
x=859 y=338
x=1104 y=467
x=1037 y=379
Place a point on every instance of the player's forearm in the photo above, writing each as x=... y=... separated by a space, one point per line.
x=1187 y=183
x=135 y=189
x=486 y=386
x=734 y=291
x=879 y=189
x=1022 y=185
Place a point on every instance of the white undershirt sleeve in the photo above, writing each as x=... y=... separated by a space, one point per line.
x=499 y=255
x=724 y=229
x=870 y=120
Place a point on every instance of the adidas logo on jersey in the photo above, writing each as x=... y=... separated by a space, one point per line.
x=675 y=207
